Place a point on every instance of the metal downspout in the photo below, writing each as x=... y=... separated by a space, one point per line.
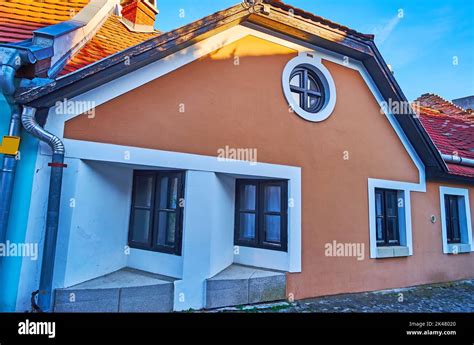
x=7 y=176
x=52 y=219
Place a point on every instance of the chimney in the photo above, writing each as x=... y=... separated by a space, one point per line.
x=139 y=15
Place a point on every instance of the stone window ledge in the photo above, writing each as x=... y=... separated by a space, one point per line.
x=392 y=252
x=459 y=248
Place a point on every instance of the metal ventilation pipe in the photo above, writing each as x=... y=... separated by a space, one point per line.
x=52 y=219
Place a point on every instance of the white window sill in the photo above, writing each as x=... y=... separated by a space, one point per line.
x=459 y=248
x=392 y=252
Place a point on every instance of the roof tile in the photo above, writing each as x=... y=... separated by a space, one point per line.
x=19 y=18
x=450 y=127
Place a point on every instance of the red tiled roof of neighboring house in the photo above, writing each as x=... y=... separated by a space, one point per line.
x=111 y=38
x=450 y=127
x=19 y=18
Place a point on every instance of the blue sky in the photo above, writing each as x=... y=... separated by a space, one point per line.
x=429 y=43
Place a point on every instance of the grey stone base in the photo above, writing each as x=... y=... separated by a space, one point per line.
x=239 y=285
x=126 y=290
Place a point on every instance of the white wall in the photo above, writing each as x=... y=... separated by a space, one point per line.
x=222 y=236
x=207 y=236
x=155 y=262
x=99 y=225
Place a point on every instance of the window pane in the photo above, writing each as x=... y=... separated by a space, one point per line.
x=247 y=226
x=297 y=98
x=379 y=203
x=248 y=197
x=295 y=80
x=312 y=85
x=168 y=193
x=392 y=229
x=312 y=102
x=141 y=226
x=272 y=229
x=163 y=198
x=166 y=228
x=173 y=193
x=272 y=198
x=143 y=190
x=379 y=224
x=391 y=204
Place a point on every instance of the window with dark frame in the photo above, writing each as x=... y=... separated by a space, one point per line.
x=453 y=226
x=156 y=222
x=386 y=212
x=261 y=218
x=307 y=89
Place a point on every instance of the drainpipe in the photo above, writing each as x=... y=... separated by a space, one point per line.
x=52 y=219
x=10 y=61
x=458 y=160
x=7 y=176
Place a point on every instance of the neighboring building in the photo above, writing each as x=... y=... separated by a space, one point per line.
x=260 y=153
x=467 y=103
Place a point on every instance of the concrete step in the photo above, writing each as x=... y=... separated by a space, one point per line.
x=239 y=285
x=126 y=290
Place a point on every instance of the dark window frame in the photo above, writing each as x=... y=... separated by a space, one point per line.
x=304 y=92
x=151 y=245
x=453 y=217
x=260 y=213
x=386 y=242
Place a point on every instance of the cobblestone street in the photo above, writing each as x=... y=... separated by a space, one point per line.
x=445 y=297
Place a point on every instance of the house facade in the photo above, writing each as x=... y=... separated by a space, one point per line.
x=251 y=156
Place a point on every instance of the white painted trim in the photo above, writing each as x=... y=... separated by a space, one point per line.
x=406 y=188
x=313 y=61
x=447 y=249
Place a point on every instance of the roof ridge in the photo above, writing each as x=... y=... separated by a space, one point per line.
x=450 y=103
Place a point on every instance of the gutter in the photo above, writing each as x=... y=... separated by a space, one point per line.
x=28 y=119
x=458 y=160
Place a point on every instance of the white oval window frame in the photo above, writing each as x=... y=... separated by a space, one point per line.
x=312 y=61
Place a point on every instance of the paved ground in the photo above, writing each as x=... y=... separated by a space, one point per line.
x=445 y=297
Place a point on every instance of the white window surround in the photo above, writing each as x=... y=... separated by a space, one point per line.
x=406 y=248
x=466 y=225
x=310 y=60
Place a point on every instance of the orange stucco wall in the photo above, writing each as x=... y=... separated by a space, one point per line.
x=234 y=97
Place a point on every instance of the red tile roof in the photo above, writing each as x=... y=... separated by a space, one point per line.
x=19 y=18
x=450 y=127
x=111 y=38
